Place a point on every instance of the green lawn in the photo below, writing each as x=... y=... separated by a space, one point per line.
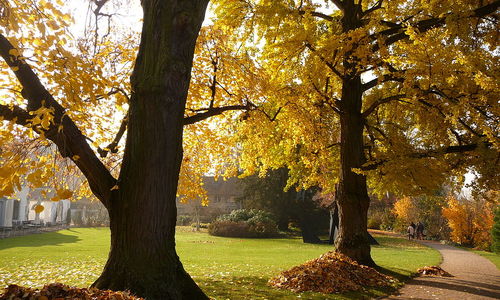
x=225 y=268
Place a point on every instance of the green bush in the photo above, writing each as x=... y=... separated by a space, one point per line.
x=381 y=219
x=374 y=221
x=184 y=220
x=495 y=232
x=251 y=223
x=247 y=215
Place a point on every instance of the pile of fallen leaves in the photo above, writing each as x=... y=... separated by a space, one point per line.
x=433 y=271
x=330 y=273
x=58 y=291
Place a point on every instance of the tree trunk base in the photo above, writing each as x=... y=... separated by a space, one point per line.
x=149 y=282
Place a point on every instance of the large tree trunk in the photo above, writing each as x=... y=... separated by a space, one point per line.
x=353 y=200
x=142 y=210
x=352 y=197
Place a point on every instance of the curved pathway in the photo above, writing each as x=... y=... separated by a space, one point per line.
x=475 y=277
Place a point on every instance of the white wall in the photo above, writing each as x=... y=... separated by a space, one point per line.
x=53 y=212
x=7 y=211
x=22 y=195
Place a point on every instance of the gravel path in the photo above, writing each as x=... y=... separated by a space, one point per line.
x=475 y=277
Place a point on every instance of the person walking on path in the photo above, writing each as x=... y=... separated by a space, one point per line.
x=420 y=230
x=411 y=231
x=474 y=278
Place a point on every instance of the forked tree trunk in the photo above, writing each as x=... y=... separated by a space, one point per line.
x=353 y=200
x=143 y=209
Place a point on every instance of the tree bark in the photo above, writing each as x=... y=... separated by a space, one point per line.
x=334 y=224
x=353 y=200
x=143 y=209
x=352 y=197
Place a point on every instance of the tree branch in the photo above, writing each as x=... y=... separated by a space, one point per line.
x=15 y=114
x=329 y=64
x=374 y=82
x=431 y=153
x=379 y=102
x=317 y=14
x=213 y=111
x=398 y=33
x=326 y=98
x=63 y=131
x=113 y=146
x=377 y=5
x=339 y=4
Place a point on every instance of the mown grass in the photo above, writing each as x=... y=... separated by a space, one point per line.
x=225 y=268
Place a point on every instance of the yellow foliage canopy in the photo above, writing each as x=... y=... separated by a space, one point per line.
x=429 y=81
x=470 y=221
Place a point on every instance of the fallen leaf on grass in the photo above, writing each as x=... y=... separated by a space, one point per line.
x=330 y=273
x=58 y=291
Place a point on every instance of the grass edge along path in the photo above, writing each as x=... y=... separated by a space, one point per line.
x=225 y=268
x=491 y=256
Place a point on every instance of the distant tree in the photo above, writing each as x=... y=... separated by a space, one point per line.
x=495 y=231
x=395 y=95
x=270 y=193
x=470 y=221
x=406 y=211
x=267 y=193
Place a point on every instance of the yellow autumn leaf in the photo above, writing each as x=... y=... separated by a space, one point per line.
x=64 y=193
x=39 y=208
x=14 y=52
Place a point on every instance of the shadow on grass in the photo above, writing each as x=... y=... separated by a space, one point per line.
x=252 y=287
x=393 y=273
x=38 y=240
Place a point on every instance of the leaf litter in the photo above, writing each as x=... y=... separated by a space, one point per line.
x=58 y=291
x=331 y=273
x=433 y=271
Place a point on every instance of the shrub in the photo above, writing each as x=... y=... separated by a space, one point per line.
x=247 y=215
x=184 y=220
x=374 y=221
x=250 y=223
